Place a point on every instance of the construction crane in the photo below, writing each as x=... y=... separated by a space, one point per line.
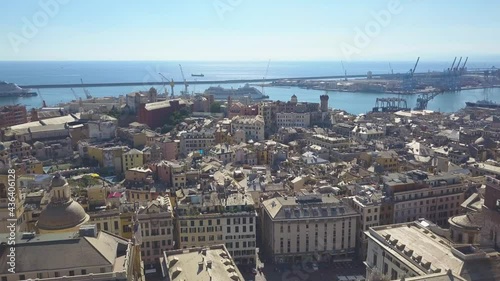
x=163 y=79
x=390 y=67
x=185 y=82
x=415 y=67
x=87 y=93
x=345 y=71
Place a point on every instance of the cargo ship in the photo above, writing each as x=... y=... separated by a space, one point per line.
x=483 y=104
x=220 y=93
x=198 y=75
x=13 y=90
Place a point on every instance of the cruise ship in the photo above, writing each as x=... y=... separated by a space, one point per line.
x=220 y=93
x=483 y=104
x=13 y=90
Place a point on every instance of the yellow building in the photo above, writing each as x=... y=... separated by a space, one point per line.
x=132 y=159
x=5 y=211
x=29 y=166
x=126 y=222
x=388 y=160
x=109 y=157
x=107 y=220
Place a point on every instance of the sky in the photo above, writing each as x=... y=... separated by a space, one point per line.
x=248 y=29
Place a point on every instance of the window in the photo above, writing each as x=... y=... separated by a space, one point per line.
x=116 y=225
x=84 y=272
x=71 y=273
x=56 y=274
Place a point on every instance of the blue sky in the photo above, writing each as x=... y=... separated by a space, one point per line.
x=248 y=29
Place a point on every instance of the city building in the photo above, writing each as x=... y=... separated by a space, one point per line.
x=86 y=254
x=205 y=219
x=308 y=228
x=132 y=159
x=201 y=263
x=253 y=126
x=419 y=248
x=11 y=115
x=200 y=141
x=417 y=194
x=157 y=229
x=292 y=119
x=155 y=114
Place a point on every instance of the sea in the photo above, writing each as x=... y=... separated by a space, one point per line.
x=72 y=72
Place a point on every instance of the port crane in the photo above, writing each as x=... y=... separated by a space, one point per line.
x=74 y=94
x=265 y=75
x=409 y=81
x=87 y=93
x=184 y=79
x=423 y=99
x=392 y=70
x=163 y=79
x=41 y=97
x=345 y=71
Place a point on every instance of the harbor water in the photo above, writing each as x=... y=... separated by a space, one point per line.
x=101 y=72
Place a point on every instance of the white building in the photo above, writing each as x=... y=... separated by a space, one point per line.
x=418 y=249
x=253 y=126
x=308 y=228
x=292 y=119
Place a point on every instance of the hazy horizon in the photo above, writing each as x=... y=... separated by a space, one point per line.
x=242 y=30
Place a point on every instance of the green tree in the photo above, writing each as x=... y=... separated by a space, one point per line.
x=215 y=107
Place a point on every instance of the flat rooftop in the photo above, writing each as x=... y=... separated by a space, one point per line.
x=210 y=263
x=418 y=243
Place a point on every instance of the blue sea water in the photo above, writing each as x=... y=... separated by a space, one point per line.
x=63 y=72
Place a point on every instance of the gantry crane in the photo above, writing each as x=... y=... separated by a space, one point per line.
x=185 y=82
x=87 y=93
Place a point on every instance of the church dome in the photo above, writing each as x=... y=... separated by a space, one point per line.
x=62 y=216
x=479 y=141
x=62 y=213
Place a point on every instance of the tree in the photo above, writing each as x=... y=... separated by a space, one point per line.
x=215 y=107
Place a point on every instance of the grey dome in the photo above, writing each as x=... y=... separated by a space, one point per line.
x=61 y=216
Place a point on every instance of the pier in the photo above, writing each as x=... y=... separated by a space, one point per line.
x=232 y=81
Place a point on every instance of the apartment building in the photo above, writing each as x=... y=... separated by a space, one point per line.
x=328 y=142
x=368 y=203
x=292 y=119
x=132 y=159
x=157 y=229
x=11 y=115
x=196 y=142
x=204 y=220
x=417 y=194
x=308 y=228
x=253 y=126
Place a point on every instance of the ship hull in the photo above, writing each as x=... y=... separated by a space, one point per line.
x=474 y=104
x=18 y=95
